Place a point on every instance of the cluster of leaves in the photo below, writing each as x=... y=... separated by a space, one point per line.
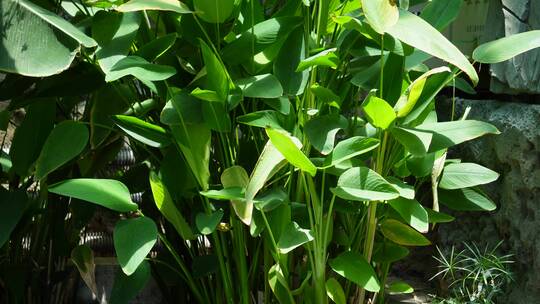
x=475 y=276
x=280 y=145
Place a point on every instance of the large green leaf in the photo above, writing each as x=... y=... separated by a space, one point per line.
x=440 y=13
x=291 y=54
x=158 y=5
x=207 y=223
x=217 y=78
x=256 y=39
x=364 y=184
x=294 y=237
x=290 y=146
x=260 y=86
x=263 y=119
x=125 y=287
x=416 y=32
x=349 y=148
x=402 y=234
x=269 y=163
x=279 y=285
x=12 y=207
x=388 y=252
x=31 y=134
x=157 y=47
x=321 y=131
x=66 y=141
x=381 y=14
x=448 y=134
x=354 y=267
x=468 y=199
x=108 y=193
x=237 y=176
x=145 y=132
x=326 y=58
x=378 y=112
x=36 y=42
x=214 y=11
x=417 y=142
x=465 y=175
x=114 y=33
x=335 y=292
x=108 y=100
x=139 y=68
x=133 y=240
x=507 y=47
x=166 y=206
x=412 y=212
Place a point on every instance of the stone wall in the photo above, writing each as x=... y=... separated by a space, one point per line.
x=515 y=154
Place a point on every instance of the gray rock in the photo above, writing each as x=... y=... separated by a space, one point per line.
x=522 y=73
x=515 y=154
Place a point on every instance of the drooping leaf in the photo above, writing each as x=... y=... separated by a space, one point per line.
x=412 y=212
x=260 y=86
x=213 y=11
x=291 y=54
x=402 y=234
x=335 y=292
x=125 y=287
x=381 y=14
x=12 y=207
x=378 y=112
x=468 y=199
x=166 y=206
x=326 y=58
x=439 y=217
x=400 y=288
x=294 y=237
x=417 y=142
x=237 y=176
x=66 y=141
x=207 y=223
x=133 y=240
x=145 y=132
x=354 y=267
x=159 y=5
x=349 y=148
x=36 y=42
x=83 y=258
x=108 y=193
x=31 y=134
x=262 y=119
x=139 y=68
x=507 y=47
x=416 y=32
x=465 y=175
x=114 y=33
x=364 y=184
x=321 y=131
x=289 y=147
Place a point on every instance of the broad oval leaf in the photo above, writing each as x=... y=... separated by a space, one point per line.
x=465 y=175
x=289 y=147
x=381 y=14
x=354 y=267
x=412 y=212
x=293 y=237
x=158 y=5
x=263 y=119
x=260 y=86
x=145 y=132
x=507 y=47
x=125 y=287
x=217 y=78
x=321 y=131
x=349 y=148
x=67 y=140
x=405 y=190
x=439 y=217
x=416 y=32
x=326 y=58
x=468 y=199
x=364 y=184
x=389 y=252
x=157 y=47
x=335 y=292
x=290 y=55
x=166 y=206
x=402 y=234
x=140 y=69
x=214 y=11
x=400 y=288
x=447 y=134
x=133 y=240
x=415 y=141
x=378 y=112
x=207 y=223
x=108 y=193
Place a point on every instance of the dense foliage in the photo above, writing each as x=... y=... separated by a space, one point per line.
x=287 y=151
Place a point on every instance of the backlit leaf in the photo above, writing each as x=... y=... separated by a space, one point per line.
x=354 y=267
x=133 y=240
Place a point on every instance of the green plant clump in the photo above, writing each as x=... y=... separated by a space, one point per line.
x=287 y=151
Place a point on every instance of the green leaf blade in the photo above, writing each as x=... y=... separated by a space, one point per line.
x=354 y=267
x=133 y=240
